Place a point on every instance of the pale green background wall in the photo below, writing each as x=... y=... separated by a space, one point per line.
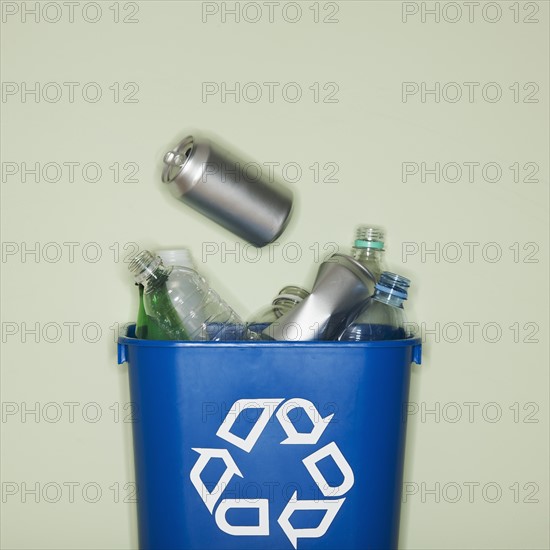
x=464 y=451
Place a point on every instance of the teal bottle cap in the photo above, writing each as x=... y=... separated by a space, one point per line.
x=359 y=243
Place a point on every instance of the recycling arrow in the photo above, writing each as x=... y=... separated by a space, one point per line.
x=211 y=497
x=302 y=438
x=268 y=406
x=293 y=534
x=328 y=490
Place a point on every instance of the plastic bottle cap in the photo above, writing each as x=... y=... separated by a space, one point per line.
x=392 y=291
x=393 y=284
x=180 y=257
x=360 y=243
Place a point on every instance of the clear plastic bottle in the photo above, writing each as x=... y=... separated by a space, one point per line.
x=287 y=299
x=147 y=327
x=368 y=249
x=382 y=316
x=182 y=303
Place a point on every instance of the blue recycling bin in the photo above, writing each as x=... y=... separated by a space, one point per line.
x=281 y=445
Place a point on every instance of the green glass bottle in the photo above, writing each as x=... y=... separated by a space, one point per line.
x=157 y=318
x=146 y=327
x=141 y=322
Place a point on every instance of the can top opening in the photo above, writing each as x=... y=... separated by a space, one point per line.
x=175 y=160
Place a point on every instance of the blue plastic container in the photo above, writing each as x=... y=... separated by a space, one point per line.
x=251 y=445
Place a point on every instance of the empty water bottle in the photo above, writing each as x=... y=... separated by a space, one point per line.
x=181 y=302
x=368 y=249
x=382 y=316
x=287 y=298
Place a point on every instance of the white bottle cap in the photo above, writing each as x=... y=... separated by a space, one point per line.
x=180 y=257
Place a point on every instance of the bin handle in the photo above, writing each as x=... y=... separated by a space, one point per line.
x=417 y=354
x=122 y=353
x=128 y=330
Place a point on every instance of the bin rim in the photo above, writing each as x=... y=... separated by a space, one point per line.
x=132 y=341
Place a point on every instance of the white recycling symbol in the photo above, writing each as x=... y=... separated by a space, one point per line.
x=262 y=528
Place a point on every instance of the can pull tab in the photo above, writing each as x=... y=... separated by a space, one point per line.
x=175 y=159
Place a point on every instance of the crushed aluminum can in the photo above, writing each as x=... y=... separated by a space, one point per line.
x=342 y=285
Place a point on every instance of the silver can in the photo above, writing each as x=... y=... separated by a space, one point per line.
x=233 y=192
x=341 y=286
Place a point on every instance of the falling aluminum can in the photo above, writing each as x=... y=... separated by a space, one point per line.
x=341 y=286
x=233 y=192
